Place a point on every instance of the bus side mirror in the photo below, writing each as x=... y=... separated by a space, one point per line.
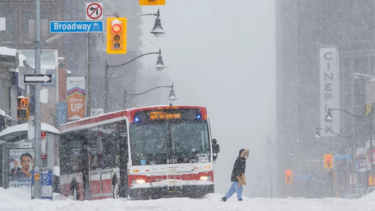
x=215 y=148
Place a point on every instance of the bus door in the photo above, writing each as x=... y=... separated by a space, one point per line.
x=95 y=184
x=106 y=177
x=100 y=184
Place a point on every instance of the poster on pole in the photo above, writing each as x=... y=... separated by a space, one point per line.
x=21 y=164
x=76 y=97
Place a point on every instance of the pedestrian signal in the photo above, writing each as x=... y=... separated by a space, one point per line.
x=116 y=35
x=151 y=2
x=23 y=107
x=288 y=176
x=328 y=161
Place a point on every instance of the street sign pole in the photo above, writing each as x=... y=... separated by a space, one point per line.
x=38 y=109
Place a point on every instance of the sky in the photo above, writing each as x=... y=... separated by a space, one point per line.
x=221 y=54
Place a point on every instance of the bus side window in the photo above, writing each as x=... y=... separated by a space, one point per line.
x=77 y=160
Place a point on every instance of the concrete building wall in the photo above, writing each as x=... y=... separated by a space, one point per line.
x=302 y=28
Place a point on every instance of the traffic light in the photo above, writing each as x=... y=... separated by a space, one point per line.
x=23 y=107
x=116 y=35
x=328 y=161
x=151 y=2
x=288 y=176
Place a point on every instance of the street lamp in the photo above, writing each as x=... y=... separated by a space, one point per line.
x=260 y=177
x=358 y=75
x=171 y=97
x=370 y=120
x=156 y=31
x=159 y=66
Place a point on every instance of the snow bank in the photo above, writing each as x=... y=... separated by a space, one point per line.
x=13 y=199
x=8 y=51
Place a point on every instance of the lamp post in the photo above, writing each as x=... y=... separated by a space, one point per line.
x=156 y=31
x=370 y=120
x=159 y=66
x=260 y=177
x=171 y=97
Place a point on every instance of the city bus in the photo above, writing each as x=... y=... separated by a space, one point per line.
x=140 y=153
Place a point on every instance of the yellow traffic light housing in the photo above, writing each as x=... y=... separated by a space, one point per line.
x=116 y=35
x=151 y=2
x=328 y=161
x=23 y=108
x=288 y=176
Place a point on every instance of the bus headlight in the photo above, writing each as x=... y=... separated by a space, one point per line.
x=205 y=178
x=138 y=181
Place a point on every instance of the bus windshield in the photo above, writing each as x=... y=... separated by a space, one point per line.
x=169 y=142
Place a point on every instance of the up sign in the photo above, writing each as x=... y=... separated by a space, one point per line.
x=76 y=97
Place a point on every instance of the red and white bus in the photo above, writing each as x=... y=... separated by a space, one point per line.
x=141 y=153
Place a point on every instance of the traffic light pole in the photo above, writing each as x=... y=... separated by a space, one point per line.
x=38 y=109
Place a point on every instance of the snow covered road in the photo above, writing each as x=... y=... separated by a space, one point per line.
x=19 y=199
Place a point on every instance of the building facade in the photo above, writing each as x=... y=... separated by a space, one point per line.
x=304 y=27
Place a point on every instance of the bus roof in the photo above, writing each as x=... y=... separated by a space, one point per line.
x=117 y=116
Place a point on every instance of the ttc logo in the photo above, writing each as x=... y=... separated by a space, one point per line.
x=45 y=178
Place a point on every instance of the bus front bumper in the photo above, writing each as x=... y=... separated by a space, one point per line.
x=191 y=191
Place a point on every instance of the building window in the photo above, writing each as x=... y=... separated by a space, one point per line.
x=26 y=16
x=46 y=15
x=10 y=22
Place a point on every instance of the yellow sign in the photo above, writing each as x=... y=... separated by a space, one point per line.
x=371 y=180
x=162 y=115
x=151 y=2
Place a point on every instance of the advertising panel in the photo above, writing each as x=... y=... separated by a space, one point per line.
x=21 y=162
x=76 y=97
x=329 y=90
x=361 y=160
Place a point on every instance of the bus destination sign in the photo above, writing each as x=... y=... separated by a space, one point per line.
x=155 y=115
x=168 y=115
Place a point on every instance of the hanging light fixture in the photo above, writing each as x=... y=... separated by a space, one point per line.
x=159 y=64
x=158 y=29
x=172 y=96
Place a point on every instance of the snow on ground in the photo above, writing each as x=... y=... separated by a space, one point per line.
x=19 y=199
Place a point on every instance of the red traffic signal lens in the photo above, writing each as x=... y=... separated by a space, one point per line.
x=116 y=28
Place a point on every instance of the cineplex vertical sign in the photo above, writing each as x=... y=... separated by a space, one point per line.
x=76 y=97
x=329 y=90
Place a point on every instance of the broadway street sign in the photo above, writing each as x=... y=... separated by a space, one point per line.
x=75 y=26
x=343 y=157
x=304 y=177
x=38 y=78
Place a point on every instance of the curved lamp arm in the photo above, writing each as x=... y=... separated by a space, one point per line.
x=133 y=59
x=150 y=90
